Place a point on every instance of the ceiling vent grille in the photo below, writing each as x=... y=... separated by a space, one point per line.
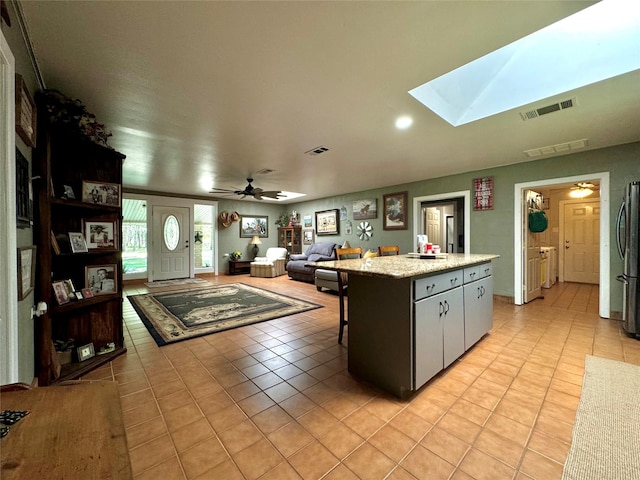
x=265 y=171
x=316 y=150
x=559 y=148
x=554 y=107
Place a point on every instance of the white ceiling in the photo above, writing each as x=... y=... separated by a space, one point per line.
x=202 y=94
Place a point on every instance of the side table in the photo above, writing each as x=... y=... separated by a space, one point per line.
x=237 y=267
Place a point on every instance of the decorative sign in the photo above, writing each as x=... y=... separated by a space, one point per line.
x=483 y=193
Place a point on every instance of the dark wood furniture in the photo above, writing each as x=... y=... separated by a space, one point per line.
x=73 y=431
x=237 y=267
x=290 y=238
x=66 y=159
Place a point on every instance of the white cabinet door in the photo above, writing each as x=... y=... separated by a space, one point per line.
x=452 y=326
x=439 y=322
x=428 y=339
x=478 y=310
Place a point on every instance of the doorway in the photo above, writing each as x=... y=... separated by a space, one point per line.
x=454 y=231
x=603 y=227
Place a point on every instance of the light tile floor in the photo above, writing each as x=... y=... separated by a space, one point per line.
x=275 y=401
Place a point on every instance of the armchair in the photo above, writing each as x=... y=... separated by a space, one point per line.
x=271 y=265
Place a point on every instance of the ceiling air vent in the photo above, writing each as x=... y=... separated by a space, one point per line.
x=316 y=151
x=554 y=107
x=265 y=171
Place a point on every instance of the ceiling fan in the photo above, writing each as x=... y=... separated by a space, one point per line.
x=581 y=190
x=251 y=191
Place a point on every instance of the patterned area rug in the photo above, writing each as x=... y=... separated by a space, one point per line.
x=170 y=283
x=183 y=314
x=606 y=434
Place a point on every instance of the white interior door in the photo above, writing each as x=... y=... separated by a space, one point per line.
x=433 y=226
x=531 y=247
x=171 y=253
x=581 y=242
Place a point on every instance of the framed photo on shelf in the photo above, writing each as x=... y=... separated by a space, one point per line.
x=254 y=225
x=68 y=192
x=395 y=211
x=101 y=193
x=87 y=293
x=85 y=352
x=327 y=222
x=25 y=113
x=26 y=271
x=60 y=292
x=100 y=234
x=101 y=279
x=78 y=245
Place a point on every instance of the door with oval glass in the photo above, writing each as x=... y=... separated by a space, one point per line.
x=170 y=249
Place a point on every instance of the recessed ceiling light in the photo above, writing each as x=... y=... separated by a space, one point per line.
x=404 y=122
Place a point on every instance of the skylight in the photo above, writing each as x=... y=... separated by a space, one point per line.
x=595 y=44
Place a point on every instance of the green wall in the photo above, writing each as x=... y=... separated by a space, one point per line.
x=491 y=231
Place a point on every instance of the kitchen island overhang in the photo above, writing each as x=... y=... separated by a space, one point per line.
x=409 y=318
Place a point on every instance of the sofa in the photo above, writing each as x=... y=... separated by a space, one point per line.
x=271 y=265
x=317 y=252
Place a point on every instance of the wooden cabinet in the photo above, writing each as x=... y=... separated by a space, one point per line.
x=478 y=303
x=65 y=162
x=290 y=238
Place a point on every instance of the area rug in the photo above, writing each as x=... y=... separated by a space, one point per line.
x=183 y=314
x=606 y=434
x=170 y=283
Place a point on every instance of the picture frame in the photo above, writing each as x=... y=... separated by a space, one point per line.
x=308 y=221
x=327 y=222
x=26 y=270
x=254 y=225
x=78 y=244
x=85 y=352
x=26 y=119
x=100 y=234
x=101 y=279
x=68 y=192
x=101 y=193
x=24 y=192
x=87 y=293
x=60 y=292
x=307 y=236
x=396 y=207
x=365 y=209
x=483 y=193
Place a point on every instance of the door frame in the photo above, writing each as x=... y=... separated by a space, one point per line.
x=417 y=211
x=605 y=221
x=9 y=371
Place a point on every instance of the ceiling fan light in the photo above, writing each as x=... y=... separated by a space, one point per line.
x=580 y=192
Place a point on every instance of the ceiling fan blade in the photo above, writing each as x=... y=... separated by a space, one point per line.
x=275 y=194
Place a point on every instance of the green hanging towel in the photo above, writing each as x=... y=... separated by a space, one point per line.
x=538 y=221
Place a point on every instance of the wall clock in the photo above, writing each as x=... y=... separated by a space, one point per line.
x=365 y=231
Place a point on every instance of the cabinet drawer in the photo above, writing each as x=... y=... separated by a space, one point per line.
x=427 y=286
x=471 y=274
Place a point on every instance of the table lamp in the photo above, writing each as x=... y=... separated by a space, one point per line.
x=255 y=241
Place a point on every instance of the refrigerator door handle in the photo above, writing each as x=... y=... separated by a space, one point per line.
x=618 y=232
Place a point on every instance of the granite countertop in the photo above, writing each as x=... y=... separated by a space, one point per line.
x=403 y=266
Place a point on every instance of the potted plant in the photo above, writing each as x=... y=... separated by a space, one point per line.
x=283 y=220
x=235 y=255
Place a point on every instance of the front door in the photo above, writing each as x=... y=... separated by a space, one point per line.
x=581 y=243
x=170 y=236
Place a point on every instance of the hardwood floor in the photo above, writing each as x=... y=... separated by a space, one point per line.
x=275 y=400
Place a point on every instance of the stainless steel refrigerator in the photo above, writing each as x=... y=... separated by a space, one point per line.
x=628 y=237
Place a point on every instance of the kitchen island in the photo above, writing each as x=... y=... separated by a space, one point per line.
x=409 y=318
